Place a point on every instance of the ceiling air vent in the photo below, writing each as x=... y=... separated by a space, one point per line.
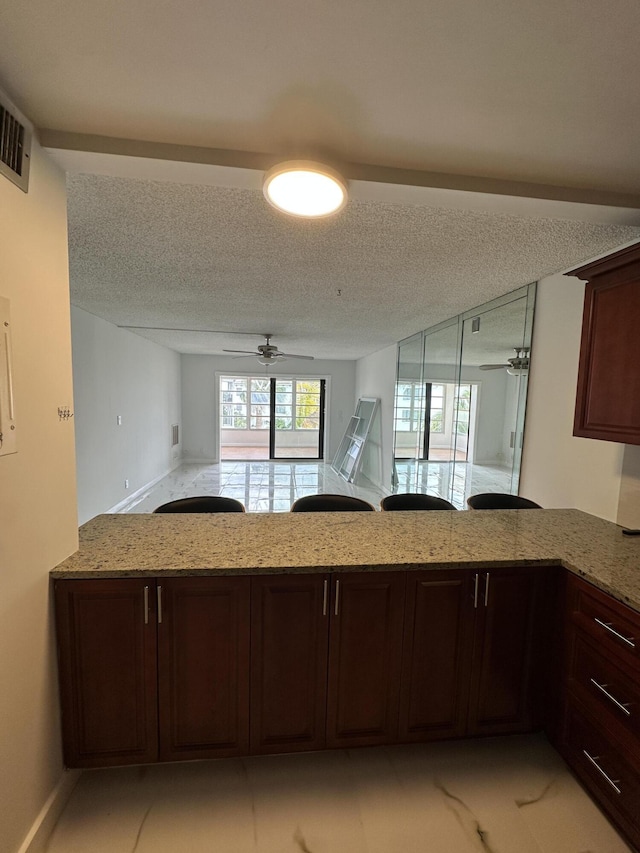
x=15 y=143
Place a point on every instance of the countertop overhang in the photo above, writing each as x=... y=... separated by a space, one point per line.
x=113 y=546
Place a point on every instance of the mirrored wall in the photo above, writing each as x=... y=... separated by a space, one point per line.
x=460 y=403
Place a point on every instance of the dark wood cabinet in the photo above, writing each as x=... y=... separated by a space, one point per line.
x=436 y=662
x=203 y=667
x=474 y=652
x=600 y=735
x=289 y=637
x=608 y=394
x=107 y=664
x=510 y=631
x=365 y=658
x=153 y=670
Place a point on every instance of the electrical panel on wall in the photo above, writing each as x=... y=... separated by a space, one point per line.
x=8 y=431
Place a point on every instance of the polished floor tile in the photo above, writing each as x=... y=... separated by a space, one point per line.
x=500 y=795
x=274 y=486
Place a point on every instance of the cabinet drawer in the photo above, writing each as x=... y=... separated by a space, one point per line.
x=599 y=762
x=603 y=686
x=615 y=626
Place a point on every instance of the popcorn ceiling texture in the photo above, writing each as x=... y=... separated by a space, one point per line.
x=146 y=253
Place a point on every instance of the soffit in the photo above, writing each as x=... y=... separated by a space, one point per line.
x=545 y=92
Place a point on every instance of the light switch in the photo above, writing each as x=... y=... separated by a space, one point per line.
x=119 y=420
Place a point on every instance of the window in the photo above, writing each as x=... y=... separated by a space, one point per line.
x=409 y=406
x=244 y=402
x=298 y=404
x=462 y=407
x=437 y=409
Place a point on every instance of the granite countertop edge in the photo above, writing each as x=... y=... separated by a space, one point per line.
x=148 y=545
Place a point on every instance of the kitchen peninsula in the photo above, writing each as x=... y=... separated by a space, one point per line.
x=201 y=636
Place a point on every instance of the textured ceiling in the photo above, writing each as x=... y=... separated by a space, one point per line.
x=174 y=256
x=497 y=93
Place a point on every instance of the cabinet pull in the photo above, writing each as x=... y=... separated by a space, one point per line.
x=608 y=626
x=146 y=605
x=337 y=597
x=159 y=594
x=486 y=590
x=324 y=597
x=594 y=760
x=476 y=580
x=624 y=706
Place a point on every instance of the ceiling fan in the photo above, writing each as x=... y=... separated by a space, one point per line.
x=268 y=353
x=515 y=366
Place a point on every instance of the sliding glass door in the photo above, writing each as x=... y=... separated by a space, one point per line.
x=297 y=418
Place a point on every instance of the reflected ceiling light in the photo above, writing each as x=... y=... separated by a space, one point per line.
x=303 y=188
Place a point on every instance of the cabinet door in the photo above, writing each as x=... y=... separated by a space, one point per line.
x=608 y=398
x=203 y=666
x=436 y=657
x=509 y=637
x=365 y=648
x=107 y=670
x=289 y=637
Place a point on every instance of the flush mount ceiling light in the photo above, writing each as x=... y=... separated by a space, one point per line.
x=303 y=188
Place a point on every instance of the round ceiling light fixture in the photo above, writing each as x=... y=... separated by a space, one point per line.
x=304 y=188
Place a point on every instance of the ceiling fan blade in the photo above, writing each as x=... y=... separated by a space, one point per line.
x=291 y=355
x=249 y=355
x=492 y=366
x=245 y=351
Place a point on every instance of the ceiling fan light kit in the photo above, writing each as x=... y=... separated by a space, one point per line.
x=268 y=353
x=518 y=366
x=304 y=188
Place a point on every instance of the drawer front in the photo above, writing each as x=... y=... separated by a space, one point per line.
x=608 y=691
x=613 y=780
x=615 y=626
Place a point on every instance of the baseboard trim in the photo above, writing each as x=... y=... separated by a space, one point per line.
x=126 y=501
x=40 y=832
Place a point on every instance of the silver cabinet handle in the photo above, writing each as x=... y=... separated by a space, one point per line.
x=146 y=605
x=476 y=580
x=324 y=597
x=337 y=597
x=594 y=760
x=608 y=626
x=486 y=590
x=159 y=594
x=624 y=706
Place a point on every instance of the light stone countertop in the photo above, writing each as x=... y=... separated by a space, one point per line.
x=113 y=546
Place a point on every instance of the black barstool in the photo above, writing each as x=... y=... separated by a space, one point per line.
x=330 y=503
x=413 y=500
x=496 y=500
x=205 y=503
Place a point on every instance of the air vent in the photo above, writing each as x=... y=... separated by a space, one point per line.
x=15 y=144
x=175 y=435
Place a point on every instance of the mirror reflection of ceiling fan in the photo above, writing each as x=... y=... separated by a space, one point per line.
x=268 y=353
x=515 y=366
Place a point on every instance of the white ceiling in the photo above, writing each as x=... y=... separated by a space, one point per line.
x=516 y=100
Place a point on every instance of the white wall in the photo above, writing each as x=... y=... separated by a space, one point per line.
x=629 y=503
x=376 y=377
x=200 y=415
x=490 y=412
x=558 y=469
x=37 y=492
x=117 y=373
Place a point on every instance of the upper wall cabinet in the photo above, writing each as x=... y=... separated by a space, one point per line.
x=608 y=396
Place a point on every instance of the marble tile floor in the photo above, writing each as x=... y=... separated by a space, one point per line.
x=272 y=486
x=501 y=795
x=261 y=486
